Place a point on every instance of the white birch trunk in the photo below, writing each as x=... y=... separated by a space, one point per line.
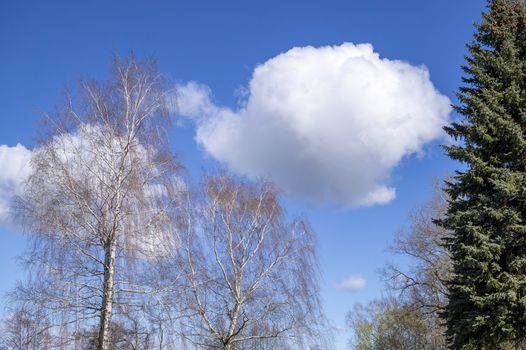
x=107 y=299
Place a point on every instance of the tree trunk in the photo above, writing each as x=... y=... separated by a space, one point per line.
x=107 y=298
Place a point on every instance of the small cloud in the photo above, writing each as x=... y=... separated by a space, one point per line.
x=339 y=328
x=352 y=283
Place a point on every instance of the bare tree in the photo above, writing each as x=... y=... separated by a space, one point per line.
x=421 y=286
x=409 y=317
x=97 y=200
x=248 y=274
x=423 y=282
x=25 y=328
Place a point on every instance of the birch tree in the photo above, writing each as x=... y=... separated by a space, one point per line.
x=96 y=200
x=248 y=273
x=25 y=328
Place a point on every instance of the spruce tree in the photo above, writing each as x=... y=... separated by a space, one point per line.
x=487 y=211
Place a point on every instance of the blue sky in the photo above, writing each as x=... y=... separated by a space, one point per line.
x=46 y=45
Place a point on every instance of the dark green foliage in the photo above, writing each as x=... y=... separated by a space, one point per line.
x=487 y=212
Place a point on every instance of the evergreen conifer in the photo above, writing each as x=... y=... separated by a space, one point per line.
x=487 y=211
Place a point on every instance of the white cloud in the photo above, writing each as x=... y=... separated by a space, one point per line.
x=327 y=124
x=14 y=170
x=353 y=283
x=339 y=328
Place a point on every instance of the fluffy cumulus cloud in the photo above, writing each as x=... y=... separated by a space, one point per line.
x=352 y=283
x=327 y=124
x=14 y=170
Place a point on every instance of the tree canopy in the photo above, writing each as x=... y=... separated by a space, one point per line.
x=487 y=209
